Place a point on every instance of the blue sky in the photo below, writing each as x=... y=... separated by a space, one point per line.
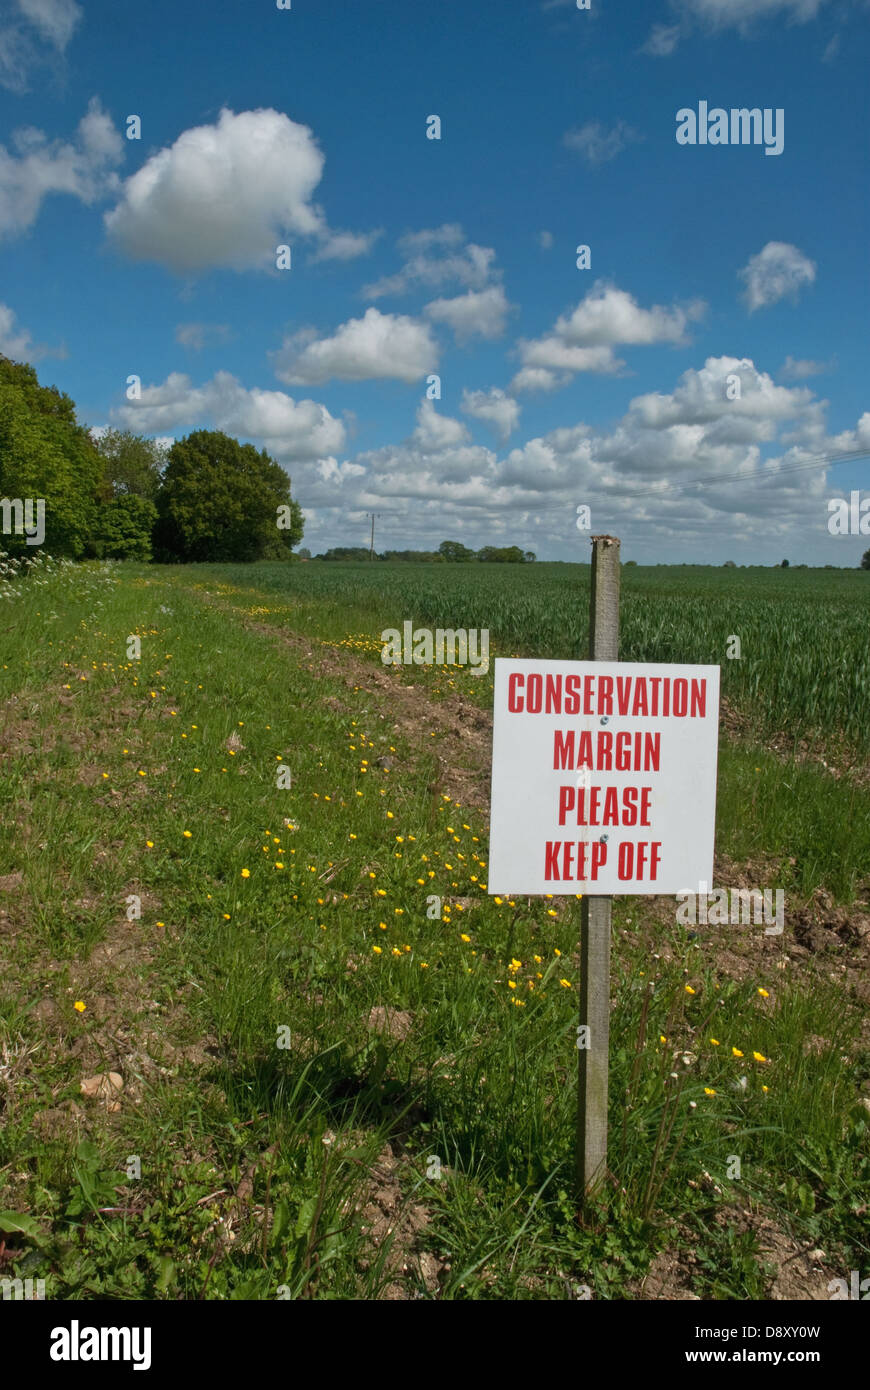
x=612 y=386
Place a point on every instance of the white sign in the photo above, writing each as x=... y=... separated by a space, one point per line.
x=603 y=777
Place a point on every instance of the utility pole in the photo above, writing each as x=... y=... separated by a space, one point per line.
x=372 y=546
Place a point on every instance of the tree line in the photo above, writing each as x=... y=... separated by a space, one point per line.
x=448 y=552
x=118 y=495
x=122 y=496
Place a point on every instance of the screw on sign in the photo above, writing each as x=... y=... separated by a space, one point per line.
x=603 y=781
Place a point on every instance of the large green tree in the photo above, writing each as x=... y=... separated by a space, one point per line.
x=124 y=528
x=222 y=500
x=46 y=455
x=502 y=555
x=40 y=400
x=132 y=464
x=455 y=551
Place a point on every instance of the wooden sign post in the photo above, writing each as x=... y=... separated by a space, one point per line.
x=593 y=1037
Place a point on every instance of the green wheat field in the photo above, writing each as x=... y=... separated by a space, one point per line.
x=262 y=1041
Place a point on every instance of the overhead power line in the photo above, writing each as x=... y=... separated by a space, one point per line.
x=749 y=478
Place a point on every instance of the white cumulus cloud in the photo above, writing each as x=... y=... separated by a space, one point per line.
x=436 y=432
x=584 y=340
x=538 y=379
x=779 y=271
x=553 y=353
x=475 y=314
x=346 y=246
x=289 y=429
x=377 y=346
x=226 y=195
x=495 y=408
x=799 y=368
x=436 y=257
x=610 y=315
x=84 y=168
x=638 y=475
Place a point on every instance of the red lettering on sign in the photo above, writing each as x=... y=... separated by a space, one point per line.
x=563 y=750
x=632 y=859
x=551 y=863
x=605 y=741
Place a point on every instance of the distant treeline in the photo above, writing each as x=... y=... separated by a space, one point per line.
x=448 y=552
x=123 y=497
